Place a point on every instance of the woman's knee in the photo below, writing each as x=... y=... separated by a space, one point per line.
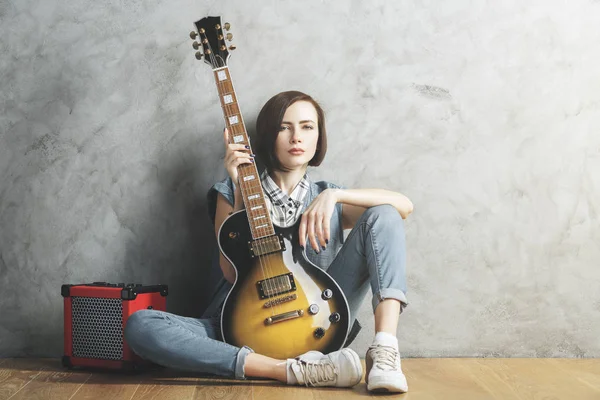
x=383 y=213
x=137 y=326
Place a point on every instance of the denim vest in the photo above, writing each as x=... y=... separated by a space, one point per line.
x=322 y=259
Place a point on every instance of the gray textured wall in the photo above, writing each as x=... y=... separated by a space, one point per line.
x=484 y=113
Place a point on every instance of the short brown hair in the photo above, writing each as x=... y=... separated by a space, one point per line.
x=268 y=124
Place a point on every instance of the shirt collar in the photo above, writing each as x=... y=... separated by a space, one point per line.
x=279 y=197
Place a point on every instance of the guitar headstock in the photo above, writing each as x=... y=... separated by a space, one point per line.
x=211 y=43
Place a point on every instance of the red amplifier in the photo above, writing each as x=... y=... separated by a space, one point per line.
x=95 y=318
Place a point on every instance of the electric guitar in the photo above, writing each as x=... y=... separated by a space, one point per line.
x=281 y=304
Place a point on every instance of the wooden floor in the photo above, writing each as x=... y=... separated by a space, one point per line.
x=439 y=378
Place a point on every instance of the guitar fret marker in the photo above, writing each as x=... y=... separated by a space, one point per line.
x=238 y=138
x=258 y=210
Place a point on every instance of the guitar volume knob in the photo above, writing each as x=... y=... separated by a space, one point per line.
x=335 y=317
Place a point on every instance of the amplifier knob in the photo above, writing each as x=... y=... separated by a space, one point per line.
x=327 y=294
x=313 y=309
x=319 y=333
x=335 y=317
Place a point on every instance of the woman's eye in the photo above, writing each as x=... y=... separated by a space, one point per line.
x=309 y=127
x=283 y=127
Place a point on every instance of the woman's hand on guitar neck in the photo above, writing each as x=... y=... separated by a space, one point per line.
x=235 y=155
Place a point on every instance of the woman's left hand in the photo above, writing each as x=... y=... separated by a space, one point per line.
x=316 y=219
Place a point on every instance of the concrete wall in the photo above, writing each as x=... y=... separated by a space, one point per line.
x=484 y=113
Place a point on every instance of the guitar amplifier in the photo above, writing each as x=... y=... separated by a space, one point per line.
x=95 y=317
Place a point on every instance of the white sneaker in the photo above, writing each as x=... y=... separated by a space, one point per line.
x=312 y=355
x=384 y=370
x=340 y=369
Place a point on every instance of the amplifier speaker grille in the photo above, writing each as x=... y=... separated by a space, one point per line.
x=97 y=328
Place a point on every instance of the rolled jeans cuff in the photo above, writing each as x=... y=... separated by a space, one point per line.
x=240 y=361
x=390 y=293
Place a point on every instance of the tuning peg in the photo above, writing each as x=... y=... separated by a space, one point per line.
x=229 y=36
x=232 y=47
x=227 y=26
x=199 y=55
x=193 y=35
x=223 y=47
x=208 y=51
x=196 y=45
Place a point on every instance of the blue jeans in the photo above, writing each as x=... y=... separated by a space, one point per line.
x=373 y=255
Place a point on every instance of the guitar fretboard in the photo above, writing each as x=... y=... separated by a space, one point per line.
x=248 y=177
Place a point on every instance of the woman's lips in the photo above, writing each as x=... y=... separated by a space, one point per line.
x=296 y=152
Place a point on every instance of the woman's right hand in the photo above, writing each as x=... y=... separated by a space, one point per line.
x=235 y=155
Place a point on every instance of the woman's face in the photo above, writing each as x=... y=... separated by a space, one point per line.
x=299 y=130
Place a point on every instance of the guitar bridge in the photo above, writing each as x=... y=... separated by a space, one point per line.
x=280 y=300
x=284 y=317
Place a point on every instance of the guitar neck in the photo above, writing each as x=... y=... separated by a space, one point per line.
x=248 y=177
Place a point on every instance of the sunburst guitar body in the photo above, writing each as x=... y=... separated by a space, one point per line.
x=281 y=304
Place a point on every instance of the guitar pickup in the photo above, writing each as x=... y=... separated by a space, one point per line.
x=275 y=286
x=267 y=245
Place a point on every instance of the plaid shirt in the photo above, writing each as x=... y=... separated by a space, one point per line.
x=285 y=210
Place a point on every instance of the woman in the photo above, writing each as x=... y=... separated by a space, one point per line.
x=373 y=255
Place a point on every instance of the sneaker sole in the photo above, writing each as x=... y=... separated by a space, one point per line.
x=385 y=386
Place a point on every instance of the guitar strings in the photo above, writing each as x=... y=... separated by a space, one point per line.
x=265 y=261
x=243 y=185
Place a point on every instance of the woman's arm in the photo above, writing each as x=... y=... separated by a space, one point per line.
x=224 y=209
x=356 y=201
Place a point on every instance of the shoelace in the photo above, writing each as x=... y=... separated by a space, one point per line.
x=385 y=357
x=317 y=372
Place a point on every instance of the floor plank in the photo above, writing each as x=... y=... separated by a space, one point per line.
x=16 y=373
x=531 y=379
x=108 y=386
x=210 y=390
x=480 y=371
x=165 y=384
x=584 y=371
x=52 y=381
x=428 y=379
